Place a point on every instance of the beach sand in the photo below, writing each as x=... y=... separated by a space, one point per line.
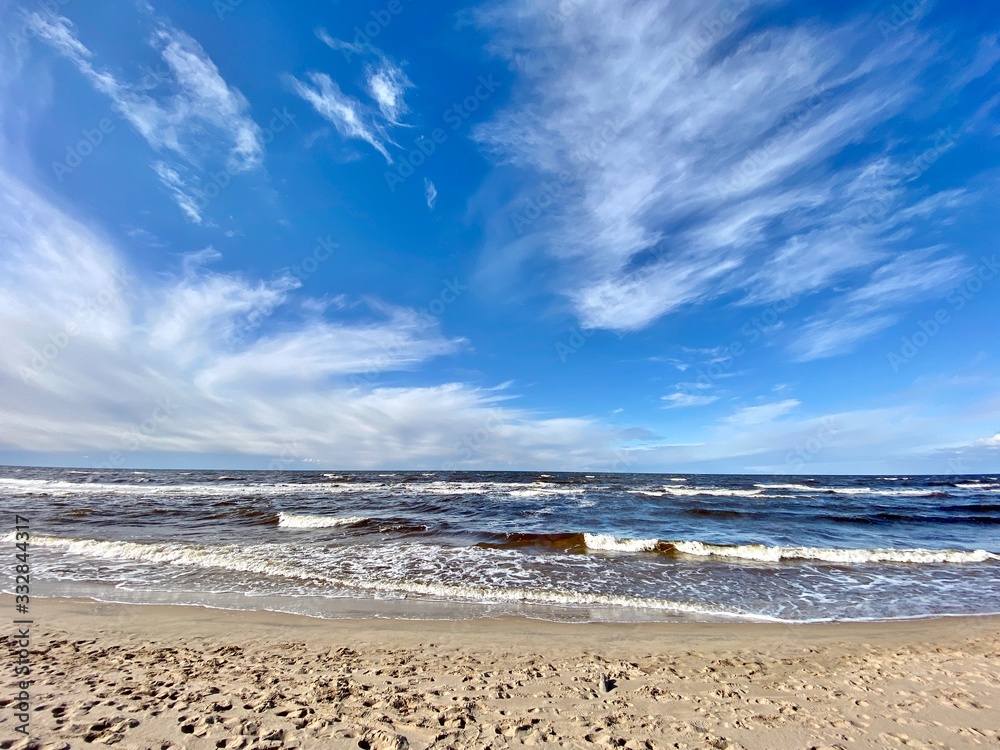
x=172 y=677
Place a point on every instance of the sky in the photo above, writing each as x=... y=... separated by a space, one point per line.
x=720 y=237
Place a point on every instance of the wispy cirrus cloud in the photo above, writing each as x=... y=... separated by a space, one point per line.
x=430 y=193
x=193 y=118
x=385 y=84
x=987 y=57
x=693 y=165
x=179 y=189
x=681 y=399
x=338 y=44
x=348 y=115
x=754 y=415
x=876 y=304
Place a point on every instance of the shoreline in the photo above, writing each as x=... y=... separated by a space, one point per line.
x=927 y=627
x=174 y=676
x=421 y=610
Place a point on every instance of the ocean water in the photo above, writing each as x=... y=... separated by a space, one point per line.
x=578 y=547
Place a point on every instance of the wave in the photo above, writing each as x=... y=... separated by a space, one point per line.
x=581 y=542
x=952 y=518
x=249 y=516
x=697 y=491
x=257 y=560
x=914 y=492
x=610 y=543
x=931 y=491
x=295 y=521
x=718 y=513
x=763 y=490
x=805 y=487
x=568 y=542
x=545 y=492
x=979 y=507
x=357 y=524
x=762 y=553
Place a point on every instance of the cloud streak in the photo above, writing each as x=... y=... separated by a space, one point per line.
x=349 y=116
x=430 y=193
x=200 y=115
x=697 y=165
x=875 y=305
x=385 y=84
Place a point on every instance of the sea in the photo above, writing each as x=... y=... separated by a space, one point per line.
x=557 y=546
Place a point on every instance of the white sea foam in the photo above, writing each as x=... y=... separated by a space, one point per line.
x=59 y=488
x=295 y=521
x=456 y=488
x=812 y=489
x=877 y=493
x=174 y=553
x=695 y=491
x=805 y=487
x=545 y=491
x=764 y=553
x=256 y=560
x=613 y=544
x=820 y=489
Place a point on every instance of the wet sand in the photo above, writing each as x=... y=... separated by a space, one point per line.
x=171 y=677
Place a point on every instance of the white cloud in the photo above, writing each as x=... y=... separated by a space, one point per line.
x=987 y=56
x=690 y=165
x=91 y=347
x=338 y=44
x=386 y=84
x=192 y=117
x=206 y=97
x=430 y=193
x=905 y=438
x=350 y=117
x=179 y=189
x=876 y=305
x=990 y=442
x=756 y=415
x=200 y=100
x=681 y=399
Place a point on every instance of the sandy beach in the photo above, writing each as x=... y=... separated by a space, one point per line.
x=187 y=677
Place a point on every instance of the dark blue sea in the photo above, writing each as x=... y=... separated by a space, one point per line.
x=577 y=547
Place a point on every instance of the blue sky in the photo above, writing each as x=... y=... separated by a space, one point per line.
x=642 y=236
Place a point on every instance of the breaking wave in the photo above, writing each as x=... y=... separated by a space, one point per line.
x=254 y=559
x=293 y=521
x=581 y=542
